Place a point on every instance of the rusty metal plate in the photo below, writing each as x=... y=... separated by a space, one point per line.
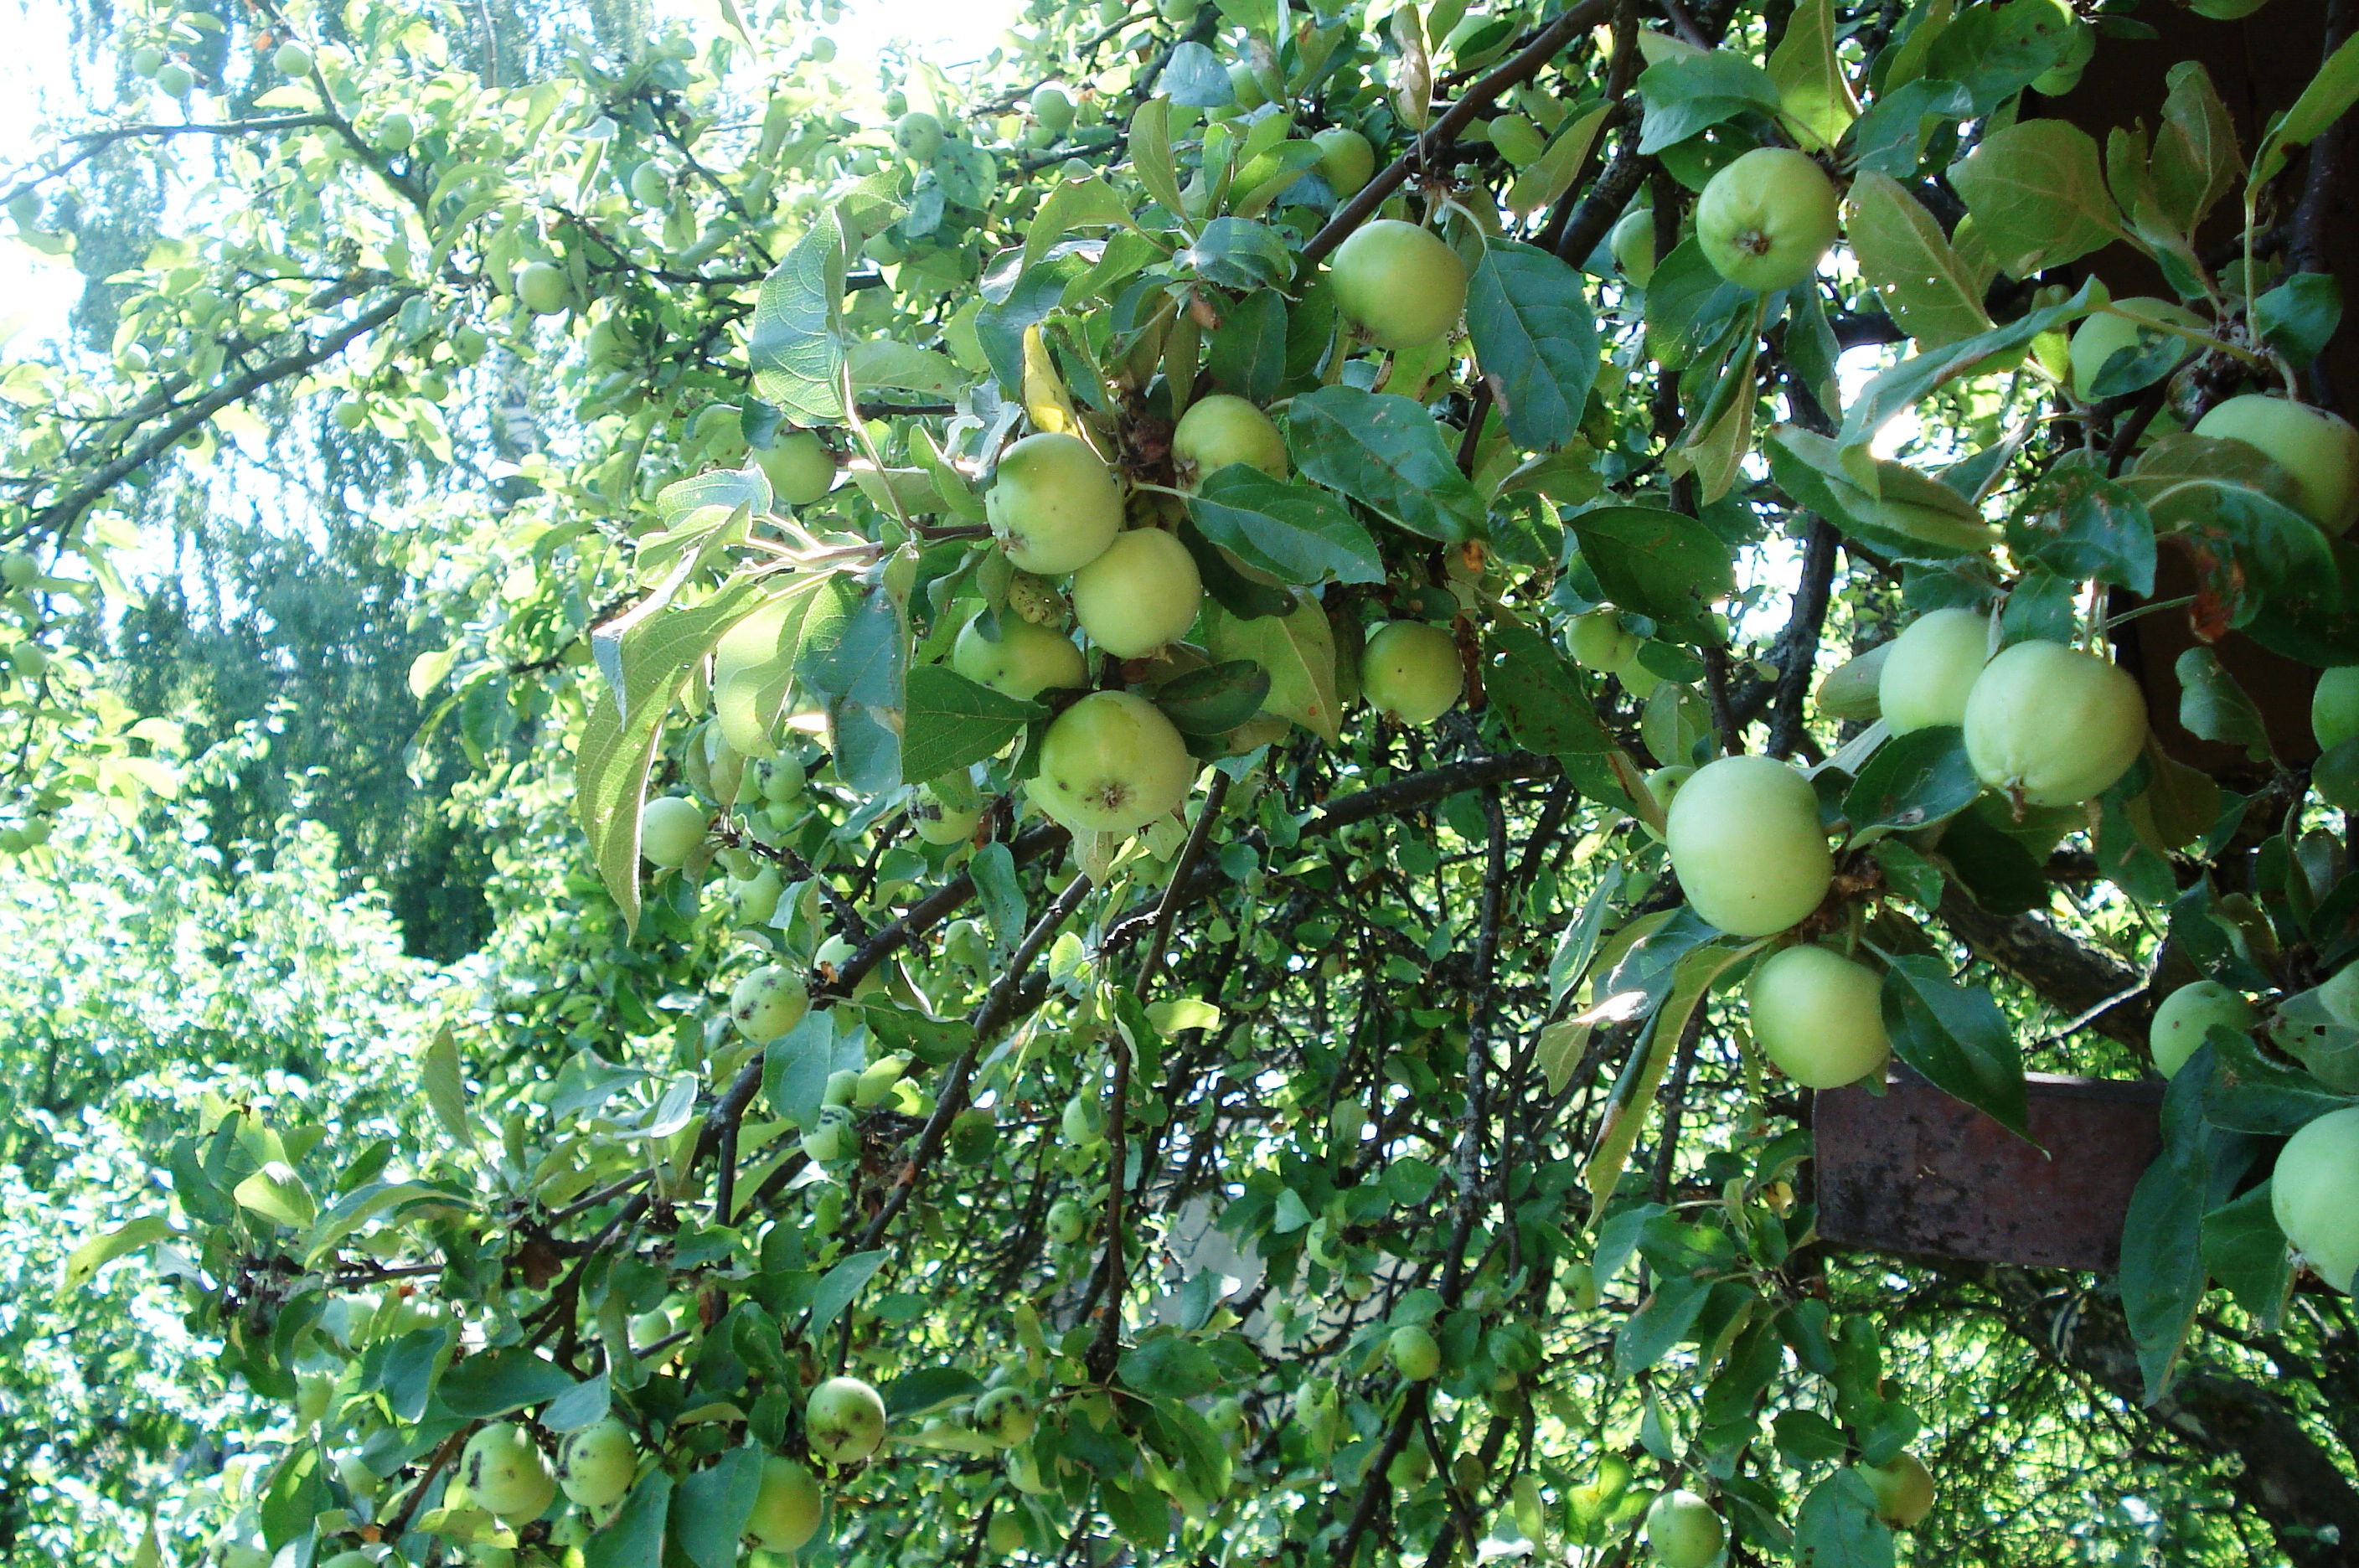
x=1916 y=1171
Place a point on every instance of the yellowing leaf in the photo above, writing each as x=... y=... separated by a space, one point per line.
x=1812 y=88
x=1045 y=400
x=98 y=1252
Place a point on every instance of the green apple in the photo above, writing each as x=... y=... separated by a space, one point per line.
x=1664 y=785
x=1518 y=140
x=1112 y=763
x=1414 y=1354
x=1399 y=283
x=1903 y=1489
x=543 y=288
x=1052 y=107
x=1022 y=661
x=1598 y=641
x=174 y=79
x=799 y=467
x=1411 y=1467
x=2107 y=333
x=1765 y=221
x=787 y=1508
x=1083 y=1122
x=718 y=433
x=1819 y=1017
x=768 y=1003
x=1053 y=504
x=843 y=1420
x=146 y=62
x=919 y=136
x=670 y=827
x=1142 y=592
x=1682 y=1532
x=2319 y=450
x=1411 y=670
x=1004 y=1416
x=596 y=1464
x=1747 y=847
x=940 y=824
x=1930 y=669
x=651 y=186
x=1346 y=161
x=1066 y=1223
x=2187 y=1015
x=756 y=898
x=877 y=1080
x=1220 y=429
x=292 y=59
x=2317 y=1173
x=1851 y=692
x=395 y=133
x=2050 y=725
x=2334 y=706
x=505 y=1472
x=1633 y=243
x=1006 y=1534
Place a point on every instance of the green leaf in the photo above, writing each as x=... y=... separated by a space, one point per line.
x=1073 y=204
x=633 y=1537
x=2082 y=527
x=1695 y=93
x=1534 y=337
x=359 y=1207
x=1294 y=532
x=836 y=1290
x=1911 y=875
x=1690 y=976
x=1956 y=1036
x=1994 y=51
x=2037 y=192
x=1172 y=1368
x=279 y=1195
x=91 y=1255
x=1655 y=562
x=1216 y=698
x=2331 y=94
x=2266 y=570
x=2196 y=157
x=1298 y=651
x=1237 y=253
x=443 y=1078
x=796 y=345
x=2162 y=1272
x=1892 y=137
x=1551 y=174
x=714 y=1504
x=1912 y=779
x=1895 y=391
x=2211 y=706
x=1838 y=1528
x=992 y=869
x=948 y=722
x=1386 y=452
x=2244 y=1251
x=1662 y=1320
x=2299 y=316
x=1901 y=250
x=1140 y=1512
x=1247 y=356
x=1150 y=154
x=1541 y=696
x=1915 y=517
x=928 y=1388
x=493 y=1382
x=1812 y=87
x=583 y=1405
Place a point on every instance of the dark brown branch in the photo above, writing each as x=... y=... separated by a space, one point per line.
x=1798 y=647
x=2074 y=979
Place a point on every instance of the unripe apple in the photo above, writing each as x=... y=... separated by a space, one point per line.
x=877 y=1080
x=1518 y=140
x=2317 y=1174
x=1142 y=592
x=292 y=59
x=543 y=288
x=395 y=133
x=1346 y=161
x=1083 y=1123
x=1819 y=1017
x=1411 y=1467
x=2187 y=1015
x=2334 y=706
x=1411 y=670
x=670 y=827
x=799 y=468
x=1903 y=1489
x=1633 y=242
x=1112 y=763
x=1004 y=1416
x=1931 y=672
x=146 y=62
x=1747 y=847
x=505 y=1472
x=1022 y=661
x=1053 y=108
x=1765 y=221
x=940 y=824
x=1664 y=784
x=1682 y=1532
x=1006 y=1535
x=756 y=898
x=787 y=1508
x=2100 y=337
x=919 y=136
x=2319 y=450
x=175 y=80
x=1220 y=429
x=596 y=1464
x=1053 y=504
x=1399 y=283
x=1414 y=1354
x=768 y=1003
x=2048 y=725
x=1598 y=641
x=843 y=1420
x=781 y=779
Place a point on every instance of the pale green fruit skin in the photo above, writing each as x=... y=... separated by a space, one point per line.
x=1026 y=662
x=1598 y=641
x=1414 y=1353
x=1053 y=504
x=1065 y=1222
x=787 y=1510
x=1112 y=763
x=1903 y=1489
x=595 y=1465
x=1411 y=669
x=2104 y=334
x=1399 y=283
x=1220 y=429
x=799 y=468
x=1765 y=221
x=1682 y=1532
x=1819 y=1017
x=2334 y=706
x=505 y=1472
x=543 y=288
x=292 y=59
x=769 y=1002
x=650 y=185
x=2317 y=1174
x=1005 y=1416
x=1633 y=243
x=2187 y=1015
x=2319 y=450
x=1053 y=107
x=1746 y=843
x=940 y=824
x=843 y=1420
x=1346 y=160
x=2053 y=726
x=1664 y=784
x=919 y=134
x=1931 y=672
x=1141 y=592
x=175 y=80
x=756 y=896
x=670 y=827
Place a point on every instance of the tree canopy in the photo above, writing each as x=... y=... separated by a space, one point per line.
x=1127 y=804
